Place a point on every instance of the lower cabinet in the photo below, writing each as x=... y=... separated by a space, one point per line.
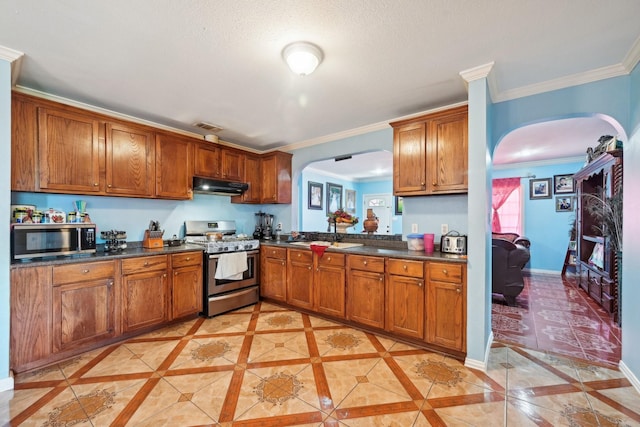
x=300 y=278
x=83 y=304
x=273 y=272
x=446 y=313
x=186 y=284
x=329 y=284
x=144 y=292
x=405 y=298
x=365 y=290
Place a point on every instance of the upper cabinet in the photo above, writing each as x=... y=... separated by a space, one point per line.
x=430 y=154
x=276 y=177
x=130 y=163
x=174 y=176
x=252 y=175
x=218 y=162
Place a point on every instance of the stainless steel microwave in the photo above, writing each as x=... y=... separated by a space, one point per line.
x=42 y=240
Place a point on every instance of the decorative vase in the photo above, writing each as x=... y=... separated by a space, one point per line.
x=341 y=227
x=370 y=225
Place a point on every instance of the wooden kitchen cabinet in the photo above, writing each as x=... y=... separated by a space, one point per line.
x=130 y=162
x=300 y=283
x=186 y=284
x=174 y=172
x=30 y=336
x=276 y=177
x=329 y=284
x=446 y=309
x=405 y=298
x=273 y=273
x=69 y=151
x=24 y=144
x=365 y=290
x=84 y=300
x=232 y=164
x=430 y=154
x=144 y=292
x=252 y=171
x=206 y=163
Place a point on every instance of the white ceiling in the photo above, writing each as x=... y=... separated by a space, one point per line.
x=180 y=62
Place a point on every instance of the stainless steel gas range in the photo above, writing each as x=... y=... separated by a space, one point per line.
x=235 y=286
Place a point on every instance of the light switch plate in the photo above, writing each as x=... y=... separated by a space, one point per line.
x=444 y=229
x=414 y=228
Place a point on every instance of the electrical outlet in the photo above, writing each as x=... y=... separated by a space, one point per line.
x=414 y=228
x=444 y=229
x=279 y=226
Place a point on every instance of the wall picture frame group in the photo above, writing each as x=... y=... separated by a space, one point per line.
x=334 y=197
x=350 y=201
x=564 y=203
x=399 y=205
x=315 y=195
x=540 y=188
x=563 y=184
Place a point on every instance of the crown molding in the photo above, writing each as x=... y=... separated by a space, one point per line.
x=476 y=73
x=633 y=56
x=14 y=57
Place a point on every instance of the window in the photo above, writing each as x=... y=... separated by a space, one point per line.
x=507 y=206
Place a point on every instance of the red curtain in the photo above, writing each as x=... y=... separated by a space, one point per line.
x=502 y=188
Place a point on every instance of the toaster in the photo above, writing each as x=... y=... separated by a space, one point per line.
x=453 y=243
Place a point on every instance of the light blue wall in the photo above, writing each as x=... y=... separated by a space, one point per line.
x=379 y=187
x=133 y=215
x=547 y=229
x=5 y=190
x=316 y=220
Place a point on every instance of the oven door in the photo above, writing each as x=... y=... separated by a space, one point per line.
x=221 y=286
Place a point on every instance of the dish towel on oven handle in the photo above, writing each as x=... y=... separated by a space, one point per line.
x=231 y=266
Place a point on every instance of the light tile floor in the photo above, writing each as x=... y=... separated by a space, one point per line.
x=267 y=366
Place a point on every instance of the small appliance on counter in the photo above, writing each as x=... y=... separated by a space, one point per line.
x=115 y=240
x=43 y=240
x=264 y=226
x=453 y=243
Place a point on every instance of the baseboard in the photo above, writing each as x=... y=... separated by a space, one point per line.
x=630 y=376
x=6 y=384
x=481 y=364
x=540 y=271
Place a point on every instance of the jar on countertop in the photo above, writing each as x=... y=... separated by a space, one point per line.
x=415 y=242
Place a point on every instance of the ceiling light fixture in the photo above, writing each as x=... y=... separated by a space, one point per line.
x=302 y=57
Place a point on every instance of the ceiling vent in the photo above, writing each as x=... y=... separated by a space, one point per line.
x=208 y=126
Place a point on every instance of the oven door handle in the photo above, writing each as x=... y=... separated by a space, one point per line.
x=232 y=295
x=249 y=253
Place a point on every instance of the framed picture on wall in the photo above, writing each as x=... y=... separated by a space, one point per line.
x=564 y=203
x=540 y=188
x=334 y=197
x=563 y=184
x=399 y=205
x=350 y=201
x=315 y=195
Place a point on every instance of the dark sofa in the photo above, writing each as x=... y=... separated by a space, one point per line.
x=510 y=254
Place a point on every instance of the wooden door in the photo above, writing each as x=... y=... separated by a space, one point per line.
x=445 y=315
x=231 y=165
x=409 y=157
x=83 y=313
x=365 y=291
x=186 y=284
x=273 y=283
x=130 y=164
x=405 y=299
x=276 y=178
x=300 y=278
x=207 y=161
x=253 y=177
x=69 y=150
x=24 y=143
x=144 y=300
x=174 y=176
x=329 y=284
x=447 y=154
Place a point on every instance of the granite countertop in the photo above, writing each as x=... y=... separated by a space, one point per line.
x=133 y=250
x=380 y=251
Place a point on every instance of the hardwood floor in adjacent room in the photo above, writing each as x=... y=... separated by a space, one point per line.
x=268 y=366
x=553 y=314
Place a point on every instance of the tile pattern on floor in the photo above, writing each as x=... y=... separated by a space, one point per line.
x=268 y=366
x=552 y=313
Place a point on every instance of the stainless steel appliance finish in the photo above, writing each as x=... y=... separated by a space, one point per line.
x=453 y=243
x=221 y=295
x=43 y=240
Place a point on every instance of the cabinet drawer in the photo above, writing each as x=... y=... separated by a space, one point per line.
x=188 y=258
x=331 y=259
x=300 y=256
x=149 y=263
x=445 y=272
x=366 y=263
x=279 y=253
x=73 y=273
x=403 y=267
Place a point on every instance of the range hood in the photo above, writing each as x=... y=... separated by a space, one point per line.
x=214 y=186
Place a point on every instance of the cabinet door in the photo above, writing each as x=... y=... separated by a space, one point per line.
x=445 y=315
x=83 y=313
x=207 y=161
x=329 y=284
x=447 y=154
x=409 y=157
x=187 y=291
x=69 y=151
x=300 y=279
x=30 y=316
x=144 y=300
x=24 y=140
x=231 y=165
x=174 y=177
x=273 y=282
x=406 y=306
x=253 y=177
x=365 y=296
x=276 y=178
x=130 y=160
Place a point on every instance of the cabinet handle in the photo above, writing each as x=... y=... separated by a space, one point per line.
x=188 y=258
x=404 y=267
x=283 y=263
x=309 y=267
x=146 y=263
x=175 y=273
x=164 y=275
x=420 y=284
x=109 y=186
x=95 y=184
x=435 y=184
x=85 y=271
x=381 y=278
x=458 y=290
x=445 y=272
x=109 y=283
x=422 y=183
x=299 y=255
x=365 y=263
x=329 y=259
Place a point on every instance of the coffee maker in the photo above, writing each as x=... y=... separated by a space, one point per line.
x=264 y=226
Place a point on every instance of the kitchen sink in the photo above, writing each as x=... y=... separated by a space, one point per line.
x=334 y=245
